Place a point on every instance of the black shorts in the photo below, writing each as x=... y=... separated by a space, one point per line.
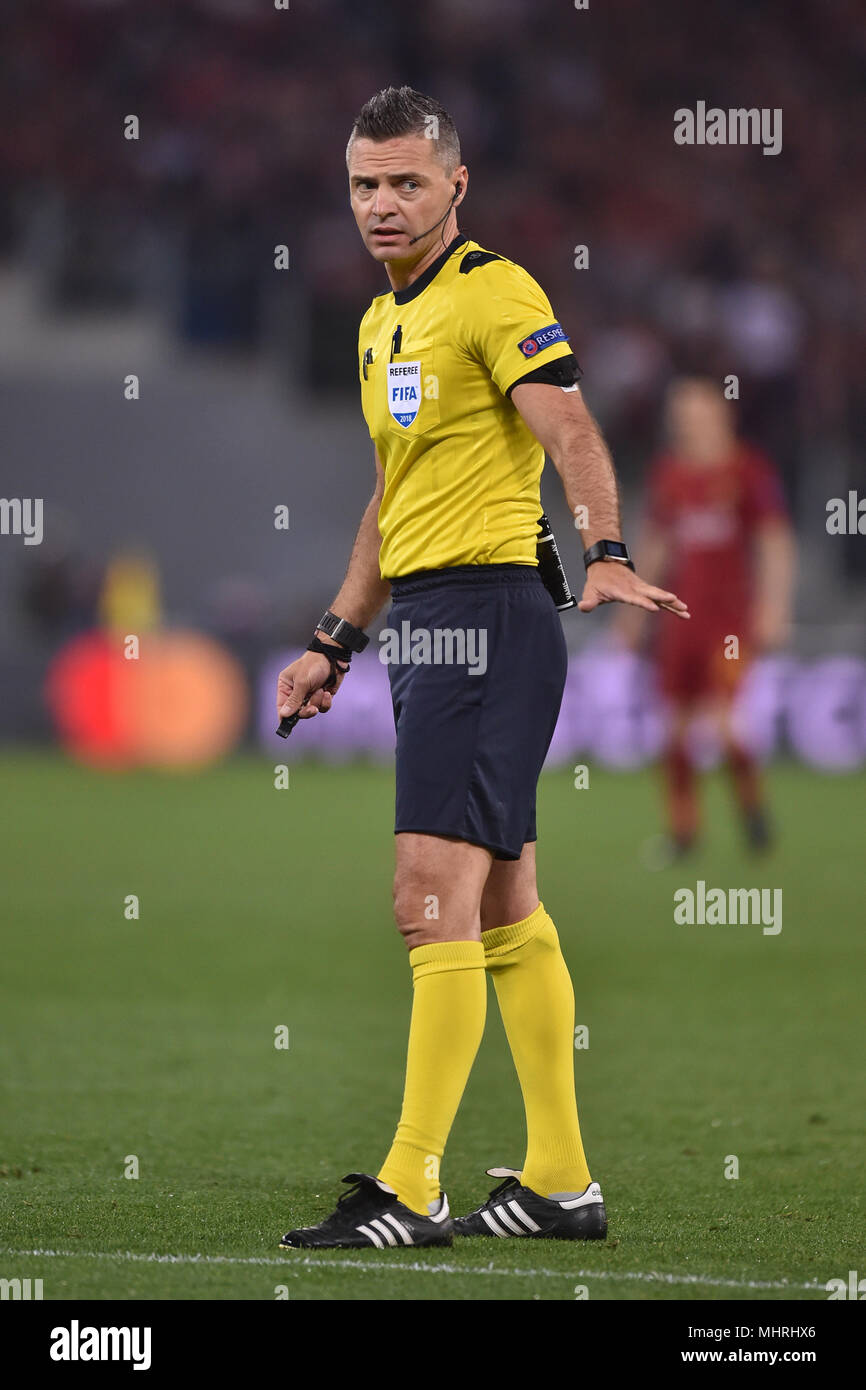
x=473 y=733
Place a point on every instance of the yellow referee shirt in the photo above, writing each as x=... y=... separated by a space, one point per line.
x=462 y=470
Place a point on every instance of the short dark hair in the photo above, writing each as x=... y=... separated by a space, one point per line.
x=399 y=111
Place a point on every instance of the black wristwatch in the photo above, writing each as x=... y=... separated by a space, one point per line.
x=352 y=637
x=607 y=550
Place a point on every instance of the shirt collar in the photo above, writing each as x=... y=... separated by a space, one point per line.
x=413 y=290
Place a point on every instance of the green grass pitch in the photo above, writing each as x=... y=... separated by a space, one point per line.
x=261 y=908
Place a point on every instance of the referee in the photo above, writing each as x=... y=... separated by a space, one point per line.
x=466 y=380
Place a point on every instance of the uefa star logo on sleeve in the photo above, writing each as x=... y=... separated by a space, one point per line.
x=404 y=391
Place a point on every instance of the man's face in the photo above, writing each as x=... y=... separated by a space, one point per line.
x=699 y=422
x=398 y=189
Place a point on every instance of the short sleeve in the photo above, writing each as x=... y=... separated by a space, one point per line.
x=510 y=324
x=764 y=498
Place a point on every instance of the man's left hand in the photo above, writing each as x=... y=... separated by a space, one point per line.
x=609 y=581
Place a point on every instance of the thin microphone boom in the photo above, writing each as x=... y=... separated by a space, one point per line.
x=413 y=239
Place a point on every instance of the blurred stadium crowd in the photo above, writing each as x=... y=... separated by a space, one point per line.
x=720 y=257
x=709 y=258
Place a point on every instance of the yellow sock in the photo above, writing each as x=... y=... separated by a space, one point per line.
x=536 y=1000
x=449 y=1009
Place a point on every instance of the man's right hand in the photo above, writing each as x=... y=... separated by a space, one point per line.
x=299 y=686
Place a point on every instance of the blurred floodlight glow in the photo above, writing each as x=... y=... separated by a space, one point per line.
x=181 y=703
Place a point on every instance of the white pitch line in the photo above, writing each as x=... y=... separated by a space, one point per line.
x=399 y=1267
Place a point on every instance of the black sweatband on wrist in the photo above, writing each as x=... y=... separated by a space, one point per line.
x=339 y=656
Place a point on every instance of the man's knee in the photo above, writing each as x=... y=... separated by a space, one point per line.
x=414 y=902
x=437 y=889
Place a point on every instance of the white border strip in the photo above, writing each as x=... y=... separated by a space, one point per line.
x=400 y=1266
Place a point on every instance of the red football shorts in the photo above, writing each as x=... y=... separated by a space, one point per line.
x=695 y=662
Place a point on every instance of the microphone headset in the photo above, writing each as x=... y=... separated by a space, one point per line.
x=458 y=189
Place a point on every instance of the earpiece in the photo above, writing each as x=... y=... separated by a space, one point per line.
x=458 y=189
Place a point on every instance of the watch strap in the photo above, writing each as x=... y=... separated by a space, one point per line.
x=608 y=550
x=342 y=631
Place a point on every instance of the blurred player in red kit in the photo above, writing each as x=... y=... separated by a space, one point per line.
x=717 y=532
